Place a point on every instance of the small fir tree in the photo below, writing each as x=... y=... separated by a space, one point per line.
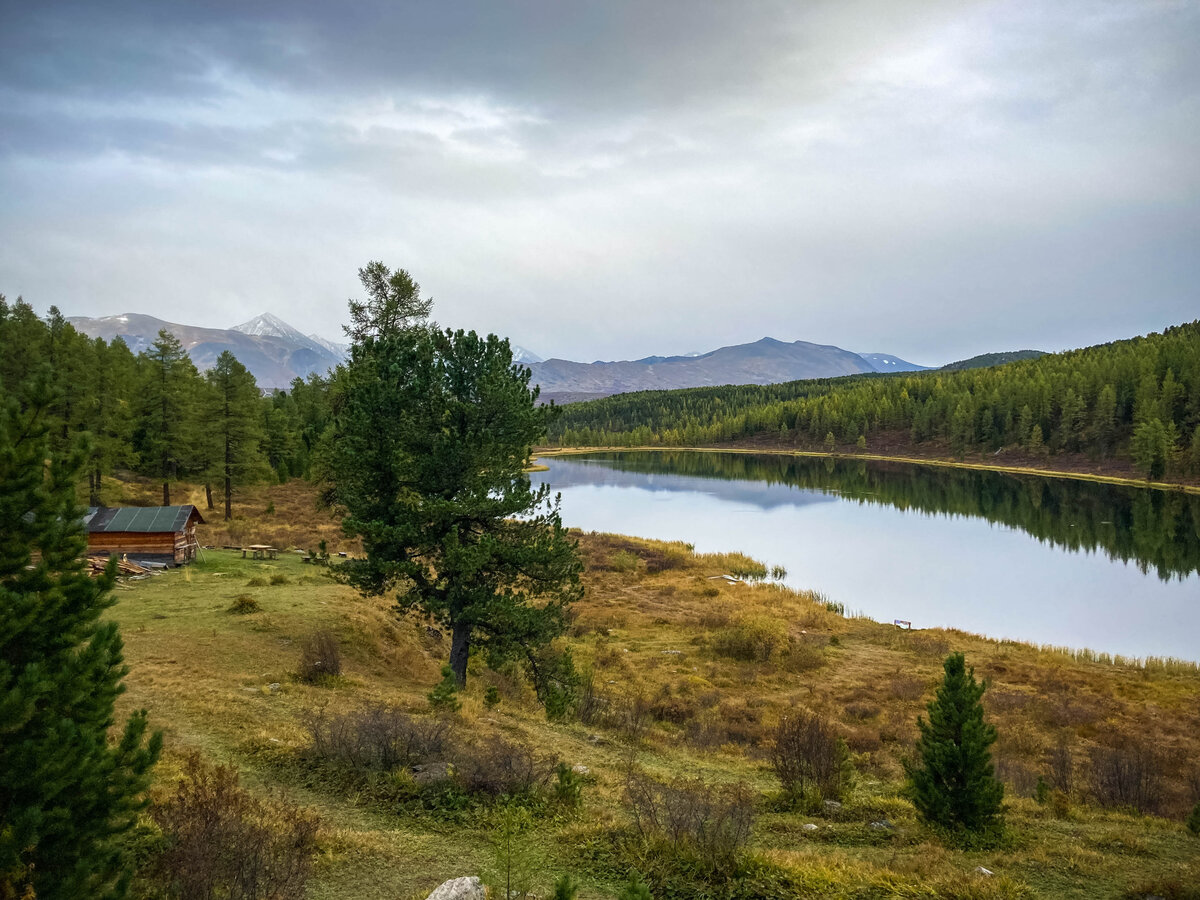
x=444 y=696
x=67 y=796
x=634 y=889
x=952 y=783
x=1193 y=820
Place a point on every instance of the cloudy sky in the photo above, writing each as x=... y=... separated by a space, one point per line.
x=607 y=180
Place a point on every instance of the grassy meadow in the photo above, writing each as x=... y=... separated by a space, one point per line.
x=690 y=674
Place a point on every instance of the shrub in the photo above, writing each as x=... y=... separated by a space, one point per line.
x=257 y=581
x=491 y=697
x=223 y=842
x=1193 y=820
x=1128 y=775
x=751 y=639
x=623 y=561
x=711 y=823
x=379 y=738
x=243 y=604
x=810 y=760
x=279 y=578
x=499 y=768
x=320 y=657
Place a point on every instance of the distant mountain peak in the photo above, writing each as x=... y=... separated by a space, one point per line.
x=269 y=324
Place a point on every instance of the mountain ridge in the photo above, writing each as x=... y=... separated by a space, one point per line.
x=277 y=352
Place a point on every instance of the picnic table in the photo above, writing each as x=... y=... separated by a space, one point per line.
x=260 y=551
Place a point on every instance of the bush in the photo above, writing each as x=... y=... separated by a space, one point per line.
x=810 y=759
x=279 y=578
x=623 y=561
x=256 y=581
x=713 y=824
x=491 y=697
x=751 y=640
x=1193 y=820
x=244 y=604
x=379 y=738
x=1128 y=775
x=320 y=657
x=223 y=842
x=499 y=768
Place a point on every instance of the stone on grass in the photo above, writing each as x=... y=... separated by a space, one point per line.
x=467 y=888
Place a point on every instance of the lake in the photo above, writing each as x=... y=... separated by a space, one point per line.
x=1048 y=560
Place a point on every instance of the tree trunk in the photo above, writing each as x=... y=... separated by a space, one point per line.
x=460 y=649
x=228 y=499
x=166 y=493
x=208 y=493
x=93 y=489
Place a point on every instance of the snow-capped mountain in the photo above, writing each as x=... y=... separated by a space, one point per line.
x=521 y=355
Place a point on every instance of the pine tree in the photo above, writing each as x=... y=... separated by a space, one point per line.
x=167 y=408
x=634 y=889
x=952 y=783
x=66 y=795
x=233 y=422
x=426 y=458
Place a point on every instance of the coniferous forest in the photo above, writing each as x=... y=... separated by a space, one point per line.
x=153 y=413
x=1136 y=399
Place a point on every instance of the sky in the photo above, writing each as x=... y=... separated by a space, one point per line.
x=611 y=180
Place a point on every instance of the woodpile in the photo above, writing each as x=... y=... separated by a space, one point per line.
x=125 y=568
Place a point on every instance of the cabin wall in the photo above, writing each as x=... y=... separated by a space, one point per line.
x=167 y=546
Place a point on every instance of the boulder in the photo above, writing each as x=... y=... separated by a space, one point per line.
x=432 y=772
x=466 y=888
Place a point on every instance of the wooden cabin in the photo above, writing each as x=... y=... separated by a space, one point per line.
x=165 y=534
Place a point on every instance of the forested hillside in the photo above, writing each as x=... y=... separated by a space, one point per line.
x=154 y=413
x=1136 y=399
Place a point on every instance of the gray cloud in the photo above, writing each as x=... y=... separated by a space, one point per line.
x=608 y=180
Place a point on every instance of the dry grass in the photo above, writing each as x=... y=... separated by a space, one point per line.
x=650 y=634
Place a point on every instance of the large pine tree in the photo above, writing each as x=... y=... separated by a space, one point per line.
x=66 y=794
x=426 y=458
x=952 y=783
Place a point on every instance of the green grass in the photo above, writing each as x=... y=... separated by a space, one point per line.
x=651 y=631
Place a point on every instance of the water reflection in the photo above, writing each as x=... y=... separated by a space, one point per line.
x=935 y=545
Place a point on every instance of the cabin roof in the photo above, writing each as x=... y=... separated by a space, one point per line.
x=140 y=519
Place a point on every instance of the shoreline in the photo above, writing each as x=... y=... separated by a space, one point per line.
x=879 y=457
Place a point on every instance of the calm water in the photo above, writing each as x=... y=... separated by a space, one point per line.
x=1040 y=559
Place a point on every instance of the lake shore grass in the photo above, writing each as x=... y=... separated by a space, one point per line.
x=940 y=462
x=694 y=671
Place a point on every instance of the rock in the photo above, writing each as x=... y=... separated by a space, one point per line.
x=832 y=806
x=809 y=826
x=883 y=825
x=982 y=871
x=273 y=687
x=468 y=888
x=580 y=770
x=432 y=633
x=432 y=772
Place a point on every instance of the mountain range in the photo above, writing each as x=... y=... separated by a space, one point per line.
x=767 y=361
x=277 y=353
